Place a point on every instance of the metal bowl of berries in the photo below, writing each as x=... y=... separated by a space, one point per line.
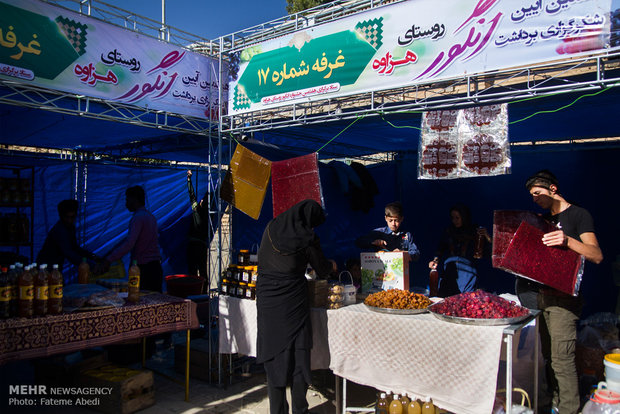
x=479 y=308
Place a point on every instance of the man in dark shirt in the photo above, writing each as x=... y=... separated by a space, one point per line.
x=61 y=242
x=560 y=311
x=142 y=241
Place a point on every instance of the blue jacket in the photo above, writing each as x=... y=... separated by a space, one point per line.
x=395 y=240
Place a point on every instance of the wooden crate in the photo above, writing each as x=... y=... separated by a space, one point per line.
x=317 y=293
x=132 y=389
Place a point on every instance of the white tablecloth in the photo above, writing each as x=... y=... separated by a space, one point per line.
x=457 y=365
x=237 y=330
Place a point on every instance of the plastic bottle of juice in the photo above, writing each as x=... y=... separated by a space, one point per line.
x=5 y=294
x=479 y=247
x=433 y=284
x=428 y=407
x=19 y=269
x=404 y=400
x=25 y=284
x=382 y=404
x=134 y=282
x=83 y=271
x=396 y=407
x=54 y=280
x=414 y=407
x=12 y=276
x=34 y=269
x=41 y=292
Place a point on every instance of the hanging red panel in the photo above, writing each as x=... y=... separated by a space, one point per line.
x=295 y=180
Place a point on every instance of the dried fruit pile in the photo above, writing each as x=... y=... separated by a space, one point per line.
x=480 y=305
x=397 y=299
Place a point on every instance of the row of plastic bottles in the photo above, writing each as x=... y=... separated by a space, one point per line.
x=397 y=404
x=27 y=291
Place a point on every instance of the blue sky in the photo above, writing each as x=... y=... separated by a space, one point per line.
x=208 y=18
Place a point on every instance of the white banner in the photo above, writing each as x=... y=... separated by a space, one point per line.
x=51 y=47
x=417 y=41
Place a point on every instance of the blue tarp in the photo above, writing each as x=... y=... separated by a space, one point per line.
x=103 y=217
x=588 y=176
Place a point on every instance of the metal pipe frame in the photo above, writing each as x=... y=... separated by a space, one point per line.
x=18 y=94
x=287 y=24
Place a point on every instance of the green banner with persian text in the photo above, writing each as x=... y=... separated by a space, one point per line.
x=28 y=34
x=335 y=59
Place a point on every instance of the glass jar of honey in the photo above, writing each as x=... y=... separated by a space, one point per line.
x=243 y=258
x=250 y=292
x=225 y=288
x=241 y=288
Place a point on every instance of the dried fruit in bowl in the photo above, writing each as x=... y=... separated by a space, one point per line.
x=397 y=299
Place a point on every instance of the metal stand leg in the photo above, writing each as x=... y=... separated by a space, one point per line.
x=187 y=353
x=536 y=339
x=508 y=340
x=344 y=396
x=143 y=351
x=230 y=369
x=339 y=401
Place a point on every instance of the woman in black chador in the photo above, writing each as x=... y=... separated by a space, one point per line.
x=284 y=331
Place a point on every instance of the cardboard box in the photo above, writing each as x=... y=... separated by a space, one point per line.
x=385 y=270
x=518 y=249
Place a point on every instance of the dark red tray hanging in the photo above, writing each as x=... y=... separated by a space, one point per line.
x=518 y=249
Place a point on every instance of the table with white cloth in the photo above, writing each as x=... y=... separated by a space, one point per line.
x=455 y=364
x=238 y=330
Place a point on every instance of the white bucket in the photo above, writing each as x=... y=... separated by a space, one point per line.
x=612 y=372
x=350 y=291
